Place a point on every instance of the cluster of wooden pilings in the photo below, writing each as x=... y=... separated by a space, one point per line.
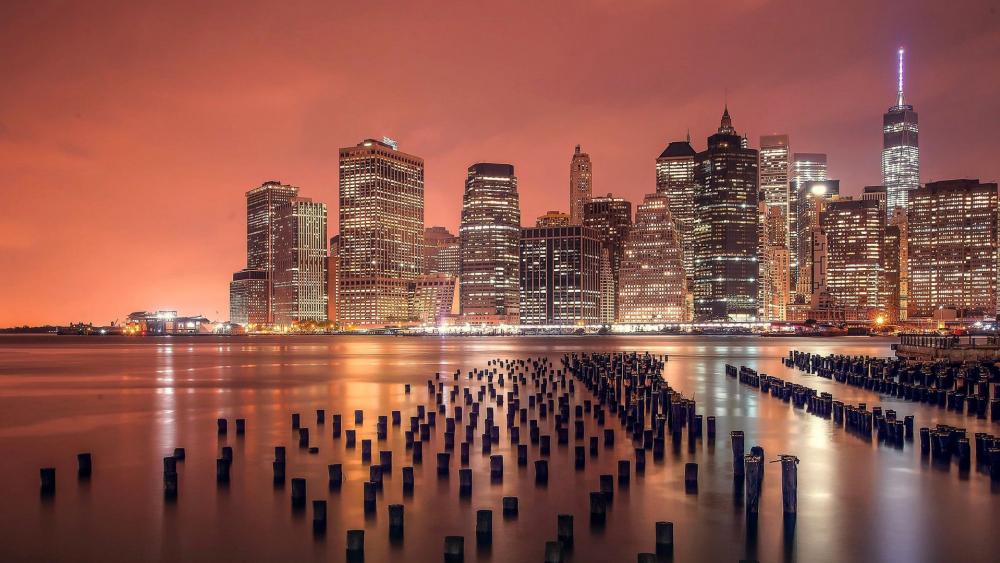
x=964 y=387
x=534 y=398
x=856 y=419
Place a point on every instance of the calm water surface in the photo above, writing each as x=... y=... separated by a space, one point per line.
x=131 y=401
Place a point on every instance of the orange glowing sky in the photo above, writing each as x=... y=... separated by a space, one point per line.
x=129 y=131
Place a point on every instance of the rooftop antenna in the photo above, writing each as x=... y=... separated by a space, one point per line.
x=689 y=135
x=899 y=90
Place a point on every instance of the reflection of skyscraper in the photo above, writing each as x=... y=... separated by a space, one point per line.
x=725 y=228
x=675 y=179
x=652 y=284
x=490 y=235
x=611 y=217
x=300 y=275
x=581 y=185
x=900 y=151
x=382 y=232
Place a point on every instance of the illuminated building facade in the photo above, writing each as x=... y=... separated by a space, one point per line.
x=490 y=238
x=652 y=285
x=581 y=184
x=249 y=297
x=812 y=197
x=433 y=298
x=773 y=170
x=560 y=268
x=262 y=204
x=855 y=235
x=333 y=280
x=726 y=235
x=553 y=219
x=774 y=264
x=953 y=248
x=876 y=194
x=675 y=179
x=440 y=251
x=300 y=276
x=806 y=167
x=611 y=218
x=900 y=150
x=382 y=232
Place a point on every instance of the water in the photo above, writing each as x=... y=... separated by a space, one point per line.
x=131 y=401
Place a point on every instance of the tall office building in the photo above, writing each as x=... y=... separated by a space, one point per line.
x=382 y=232
x=440 y=251
x=813 y=195
x=560 y=268
x=775 y=292
x=262 y=203
x=490 y=238
x=773 y=170
x=953 y=249
x=675 y=179
x=806 y=167
x=900 y=150
x=651 y=286
x=249 y=297
x=725 y=229
x=333 y=280
x=855 y=235
x=876 y=194
x=300 y=276
x=901 y=261
x=433 y=298
x=581 y=184
x=611 y=218
x=553 y=219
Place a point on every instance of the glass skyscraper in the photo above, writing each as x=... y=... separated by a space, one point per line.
x=900 y=151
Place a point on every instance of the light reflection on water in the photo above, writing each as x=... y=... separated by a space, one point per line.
x=131 y=401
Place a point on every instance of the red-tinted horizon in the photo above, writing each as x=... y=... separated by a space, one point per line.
x=129 y=133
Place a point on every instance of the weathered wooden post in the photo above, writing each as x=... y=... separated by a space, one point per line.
x=395 y=520
x=541 y=472
x=84 y=465
x=789 y=484
x=407 y=480
x=241 y=426
x=484 y=527
x=336 y=475
x=509 y=507
x=737 y=438
x=443 y=462
x=691 y=477
x=754 y=481
x=223 y=426
x=370 y=494
x=319 y=516
x=564 y=528
x=496 y=468
x=607 y=485
x=454 y=549
x=465 y=481
x=355 y=545
x=553 y=552
x=598 y=507
x=664 y=538
x=298 y=492
x=222 y=470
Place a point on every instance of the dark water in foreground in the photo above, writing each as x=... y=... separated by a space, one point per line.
x=130 y=402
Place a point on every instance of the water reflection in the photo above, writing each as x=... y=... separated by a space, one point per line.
x=130 y=402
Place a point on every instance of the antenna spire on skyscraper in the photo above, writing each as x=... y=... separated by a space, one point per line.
x=899 y=89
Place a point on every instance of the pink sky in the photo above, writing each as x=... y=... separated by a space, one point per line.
x=130 y=131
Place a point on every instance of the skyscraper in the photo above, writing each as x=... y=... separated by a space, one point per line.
x=675 y=179
x=333 y=280
x=652 y=283
x=382 y=232
x=813 y=196
x=774 y=167
x=490 y=238
x=559 y=276
x=900 y=151
x=249 y=296
x=262 y=203
x=300 y=275
x=440 y=251
x=611 y=218
x=953 y=249
x=774 y=263
x=581 y=184
x=725 y=228
x=806 y=167
x=553 y=219
x=433 y=297
x=855 y=236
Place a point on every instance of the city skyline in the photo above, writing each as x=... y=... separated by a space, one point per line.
x=120 y=179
